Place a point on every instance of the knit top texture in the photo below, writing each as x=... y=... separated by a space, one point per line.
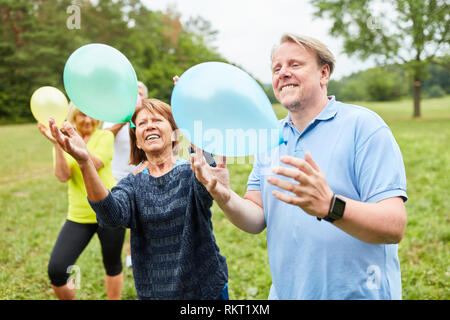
x=173 y=250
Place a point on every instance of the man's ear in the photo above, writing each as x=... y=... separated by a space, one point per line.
x=324 y=75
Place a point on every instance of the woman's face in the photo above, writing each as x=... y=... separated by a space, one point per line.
x=85 y=125
x=153 y=132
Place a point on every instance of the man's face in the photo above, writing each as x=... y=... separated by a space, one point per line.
x=297 y=78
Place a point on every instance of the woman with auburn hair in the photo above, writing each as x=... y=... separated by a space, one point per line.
x=173 y=249
x=81 y=223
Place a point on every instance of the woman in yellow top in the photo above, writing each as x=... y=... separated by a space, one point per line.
x=81 y=223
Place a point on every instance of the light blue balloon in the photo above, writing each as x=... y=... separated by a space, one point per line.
x=101 y=82
x=223 y=110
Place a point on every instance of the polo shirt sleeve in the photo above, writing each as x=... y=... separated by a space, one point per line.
x=254 y=180
x=379 y=167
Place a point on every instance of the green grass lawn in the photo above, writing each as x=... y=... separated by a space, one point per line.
x=33 y=207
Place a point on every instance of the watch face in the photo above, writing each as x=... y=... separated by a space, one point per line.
x=339 y=206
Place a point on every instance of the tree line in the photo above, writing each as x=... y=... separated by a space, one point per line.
x=38 y=36
x=392 y=82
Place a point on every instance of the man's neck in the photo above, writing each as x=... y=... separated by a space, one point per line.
x=304 y=114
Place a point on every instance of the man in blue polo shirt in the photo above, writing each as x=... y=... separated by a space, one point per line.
x=332 y=197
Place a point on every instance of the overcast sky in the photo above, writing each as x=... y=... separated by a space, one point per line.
x=248 y=29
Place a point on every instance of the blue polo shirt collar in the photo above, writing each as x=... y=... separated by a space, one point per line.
x=327 y=113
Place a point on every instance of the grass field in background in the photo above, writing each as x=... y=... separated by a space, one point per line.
x=33 y=207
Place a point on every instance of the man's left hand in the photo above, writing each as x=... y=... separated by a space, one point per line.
x=310 y=189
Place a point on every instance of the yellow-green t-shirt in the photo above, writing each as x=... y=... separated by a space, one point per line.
x=101 y=144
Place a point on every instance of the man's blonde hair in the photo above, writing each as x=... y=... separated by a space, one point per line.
x=324 y=55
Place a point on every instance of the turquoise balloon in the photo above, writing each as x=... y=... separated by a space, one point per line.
x=101 y=82
x=223 y=110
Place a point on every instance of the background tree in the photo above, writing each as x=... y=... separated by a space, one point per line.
x=407 y=32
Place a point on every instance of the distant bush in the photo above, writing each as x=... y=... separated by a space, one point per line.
x=374 y=84
x=435 y=91
x=334 y=88
x=437 y=75
x=383 y=85
x=353 y=90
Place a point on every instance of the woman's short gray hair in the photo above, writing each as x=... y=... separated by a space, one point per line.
x=144 y=88
x=324 y=55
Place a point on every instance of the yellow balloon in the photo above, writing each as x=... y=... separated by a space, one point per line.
x=49 y=102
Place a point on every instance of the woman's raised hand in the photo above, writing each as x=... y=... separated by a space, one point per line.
x=46 y=133
x=69 y=140
x=216 y=180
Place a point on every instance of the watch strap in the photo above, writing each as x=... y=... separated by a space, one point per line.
x=332 y=214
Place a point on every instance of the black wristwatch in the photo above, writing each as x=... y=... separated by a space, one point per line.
x=336 y=211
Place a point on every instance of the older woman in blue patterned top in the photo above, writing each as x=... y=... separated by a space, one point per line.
x=174 y=252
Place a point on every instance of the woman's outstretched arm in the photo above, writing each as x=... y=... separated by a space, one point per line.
x=69 y=140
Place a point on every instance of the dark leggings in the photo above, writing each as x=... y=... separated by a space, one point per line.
x=73 y=239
